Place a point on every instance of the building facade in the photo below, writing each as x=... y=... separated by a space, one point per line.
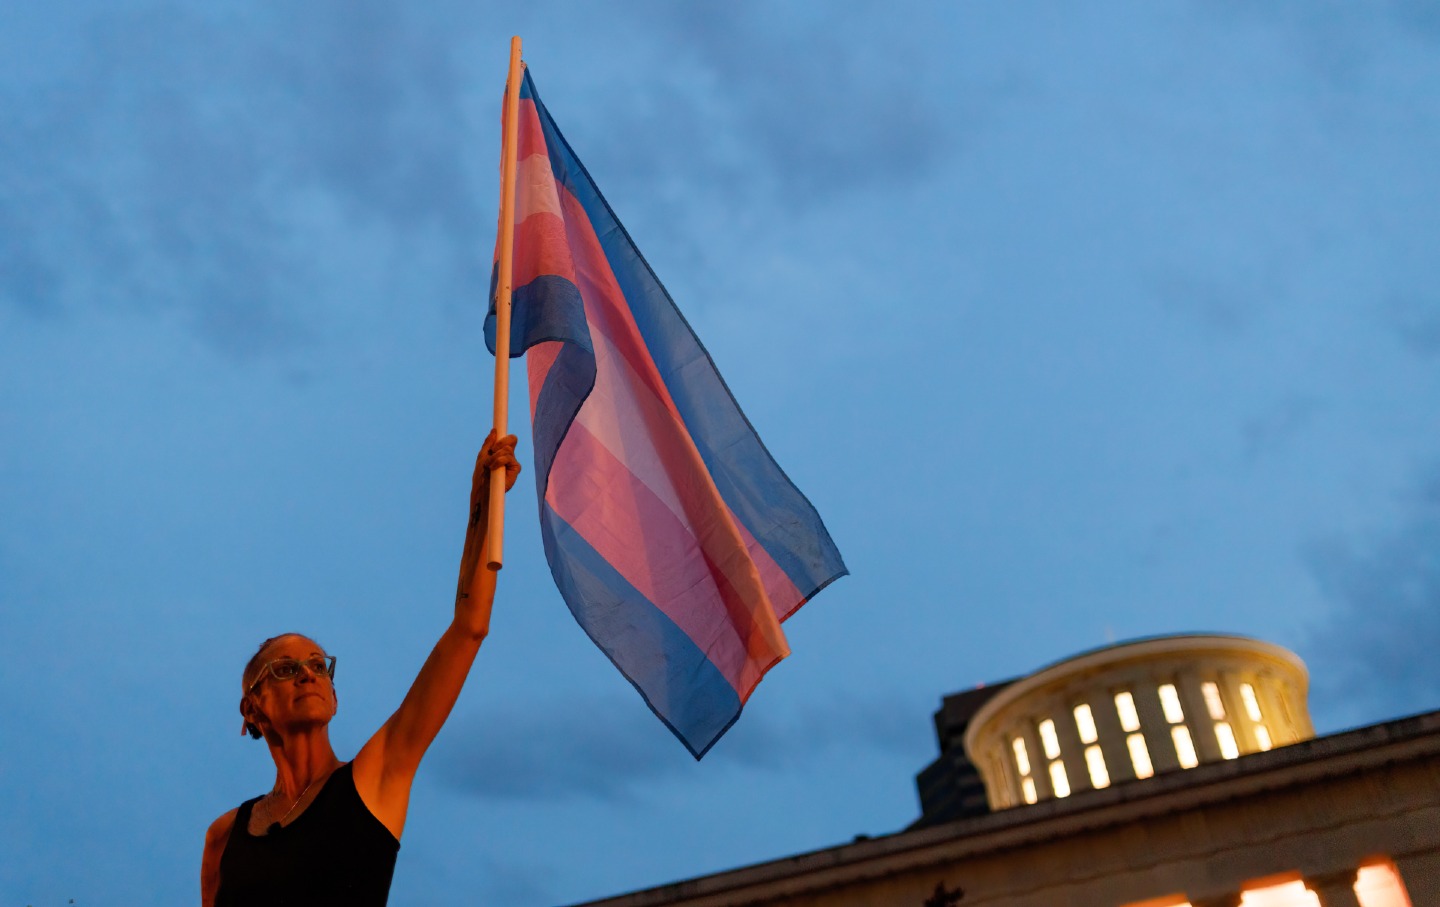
x=1160 y=773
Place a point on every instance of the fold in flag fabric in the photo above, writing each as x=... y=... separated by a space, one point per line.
x=677 y=541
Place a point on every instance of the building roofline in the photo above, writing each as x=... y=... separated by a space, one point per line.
x=1398 y=740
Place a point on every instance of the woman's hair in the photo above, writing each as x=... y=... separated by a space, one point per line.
x=252 y=668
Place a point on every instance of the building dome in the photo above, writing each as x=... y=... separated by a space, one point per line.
x=1134 y=710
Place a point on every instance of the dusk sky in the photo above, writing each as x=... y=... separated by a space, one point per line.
x=1077 y=322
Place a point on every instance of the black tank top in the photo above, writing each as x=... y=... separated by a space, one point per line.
x=336 y=852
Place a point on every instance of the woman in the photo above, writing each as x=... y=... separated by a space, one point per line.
x=328 y=832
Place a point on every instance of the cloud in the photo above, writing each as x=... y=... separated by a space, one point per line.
x=612 y=749
x=1341 y=42
x=1421 y=16
x=214 y=166
x=229 y=166
x=1376 y=650
x=784 y=109
x=505 y=882
x=568 y=749
x=1221 y=310
x=1415 y=319
x=826 y=112
x=1274 y=427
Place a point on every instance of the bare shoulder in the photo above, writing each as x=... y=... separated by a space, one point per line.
x=216 y=837
x=219 y=831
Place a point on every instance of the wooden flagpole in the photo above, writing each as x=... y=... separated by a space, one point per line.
x=510 y=148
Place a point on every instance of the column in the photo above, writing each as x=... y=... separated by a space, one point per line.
x=1039 y=765
x=1002 y=784
x=1072 y=750
x=1154 y=726
x=1278 y=716
x=1229 y=686
x=1197 y=715
x=1240 y=721
x=1112 y=736
x=1334 y=889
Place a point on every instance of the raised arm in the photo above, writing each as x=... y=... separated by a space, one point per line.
x=385 y=767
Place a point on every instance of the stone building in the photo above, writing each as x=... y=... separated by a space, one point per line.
x=1165 y=772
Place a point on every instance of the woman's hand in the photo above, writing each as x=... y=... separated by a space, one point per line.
x=493 y=453
x=475 y=591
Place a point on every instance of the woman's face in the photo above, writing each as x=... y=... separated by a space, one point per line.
x=287 y=706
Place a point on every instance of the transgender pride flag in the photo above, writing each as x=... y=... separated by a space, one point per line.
x=677 y=541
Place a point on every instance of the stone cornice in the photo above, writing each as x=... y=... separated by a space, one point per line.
x=1348 y=753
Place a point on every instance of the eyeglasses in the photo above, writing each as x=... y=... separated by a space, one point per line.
x=289 y=668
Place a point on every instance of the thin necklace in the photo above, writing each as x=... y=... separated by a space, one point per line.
x=279 y=823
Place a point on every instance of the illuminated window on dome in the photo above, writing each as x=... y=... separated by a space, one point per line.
x=1139 y=756
x=1213 y=702
x=1085 y=723
x=1262 y=738
x=1170 y=703
x=1022 y=758
x=1380 y=886
x=1226 y=738
x=1184 y=746
x=1048 y=739
x=1125 y=705
x=1252 y=705
x=1022 y=763
x=1058 y=782
x=1095 y=763
x=1290 y=894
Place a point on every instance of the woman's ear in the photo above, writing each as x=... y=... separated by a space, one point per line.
x=246 y=713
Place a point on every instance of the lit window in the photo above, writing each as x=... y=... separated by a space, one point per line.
x=1125 y=705
x=1213 y=702
x=1027 y=787
x=1184 y=746
x=1380 y=886
x=1139 y=756
x=1252 y=705
x=1058 y=781
x=1022 y=758
x=1095 y=762
x=1289 y=894
x=1085 y=723
x=1228 y=749
x=1262 y=738
x=1048 y=739
x=1170 y=703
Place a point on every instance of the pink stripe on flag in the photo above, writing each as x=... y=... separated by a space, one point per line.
x=540 y=249
x=629 y=412
x=535 y=188
x=531 y=138
x=637 y=534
